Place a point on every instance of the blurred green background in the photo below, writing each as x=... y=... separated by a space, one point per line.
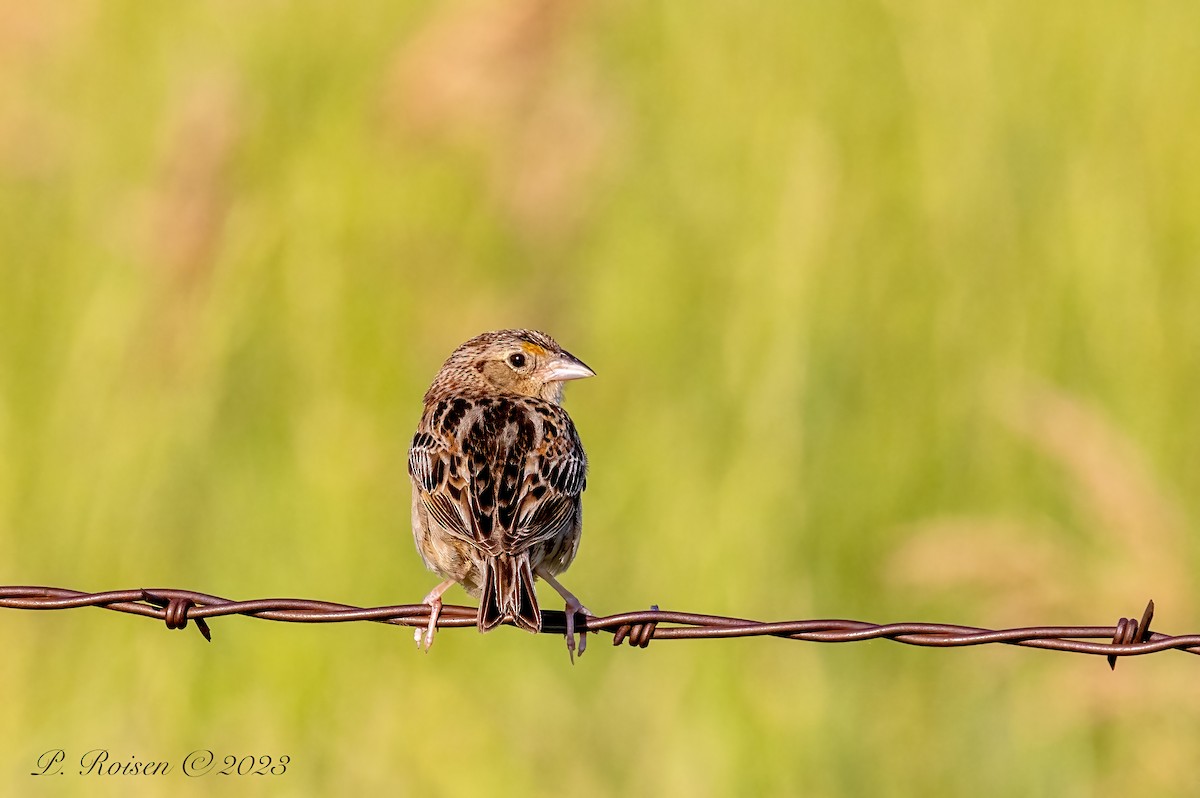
x=895 y=309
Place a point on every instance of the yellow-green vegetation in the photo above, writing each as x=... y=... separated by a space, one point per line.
x=896 y=314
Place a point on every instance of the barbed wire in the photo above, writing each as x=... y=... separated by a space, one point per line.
x=175 y=608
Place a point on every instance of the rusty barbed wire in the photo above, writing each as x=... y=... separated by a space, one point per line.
x=176 y=607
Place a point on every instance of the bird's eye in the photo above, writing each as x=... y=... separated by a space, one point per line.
x=516 y=360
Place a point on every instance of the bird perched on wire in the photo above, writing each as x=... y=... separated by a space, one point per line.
x=497 y=471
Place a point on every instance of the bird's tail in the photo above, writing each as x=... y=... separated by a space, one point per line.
x=508 y=594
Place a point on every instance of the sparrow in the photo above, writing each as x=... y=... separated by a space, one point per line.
x=497 y=472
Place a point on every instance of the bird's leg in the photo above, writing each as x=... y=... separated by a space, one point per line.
x=573 y=606
x=424 y=637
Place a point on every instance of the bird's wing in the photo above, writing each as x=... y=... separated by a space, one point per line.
x=554 y=477
x=437 y=468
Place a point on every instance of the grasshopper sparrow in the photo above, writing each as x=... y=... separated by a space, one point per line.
x=497 y=471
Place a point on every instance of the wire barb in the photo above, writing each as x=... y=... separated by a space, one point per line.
x=175 y=612
x=1131 y=631
x=176 y=607
x=639 y=634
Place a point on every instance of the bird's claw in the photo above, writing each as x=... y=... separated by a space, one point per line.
x=573 y=606
x=424 y=636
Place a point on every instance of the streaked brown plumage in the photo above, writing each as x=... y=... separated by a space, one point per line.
x=497 y=470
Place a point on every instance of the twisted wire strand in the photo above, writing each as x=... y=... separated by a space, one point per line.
x=176 y=608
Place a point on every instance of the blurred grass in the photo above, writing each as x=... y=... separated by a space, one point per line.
x=894 y=307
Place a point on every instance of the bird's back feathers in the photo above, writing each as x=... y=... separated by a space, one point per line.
x=503 y=474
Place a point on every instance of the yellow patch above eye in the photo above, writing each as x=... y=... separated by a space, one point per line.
x=533 y=349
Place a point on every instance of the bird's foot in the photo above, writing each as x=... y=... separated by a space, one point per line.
x=573 y=606
x=424 y=637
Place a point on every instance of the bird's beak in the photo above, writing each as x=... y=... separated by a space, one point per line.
x=565 y=367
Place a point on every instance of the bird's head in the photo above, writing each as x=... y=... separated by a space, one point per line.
x=510 y=362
